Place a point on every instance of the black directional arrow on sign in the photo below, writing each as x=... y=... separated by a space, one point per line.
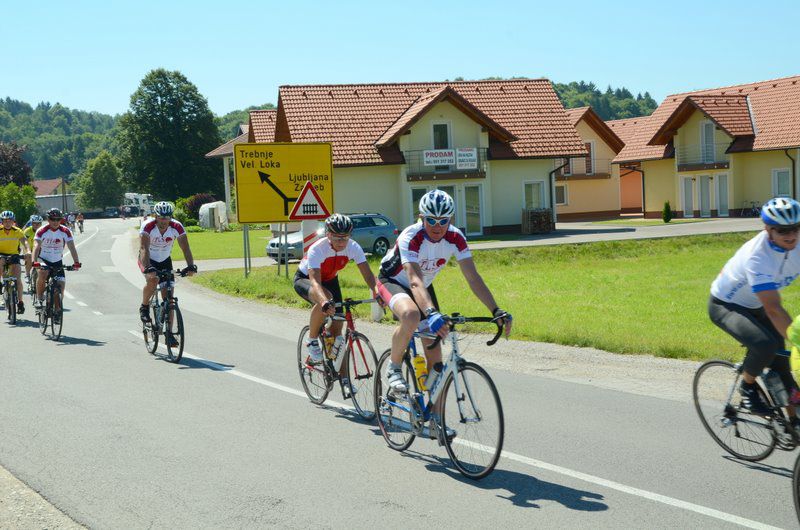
x=286 y=200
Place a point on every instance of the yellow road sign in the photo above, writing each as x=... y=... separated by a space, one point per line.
x=271 y=177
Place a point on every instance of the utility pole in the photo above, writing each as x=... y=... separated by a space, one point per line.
x=63 y=196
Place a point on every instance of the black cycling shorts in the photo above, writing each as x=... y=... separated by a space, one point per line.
x=302 y=286
x=11 y=259
x=389 y=288
x=165 y=265
x=55 y=266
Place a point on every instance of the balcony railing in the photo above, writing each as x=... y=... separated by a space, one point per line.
x=583 y=168
x=468 y=166
x=700 y=156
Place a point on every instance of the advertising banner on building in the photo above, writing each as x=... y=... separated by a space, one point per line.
x=439 y=157
x=466 y=158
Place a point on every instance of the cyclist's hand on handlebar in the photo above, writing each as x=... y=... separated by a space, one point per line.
x=148 y=270
x=438 y=324
x=329 y=307
x=376 y=295
x=76 y=266
x=505 y=319
x=189 y=271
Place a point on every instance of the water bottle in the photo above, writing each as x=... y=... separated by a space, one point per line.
x=776 y=389
x=420 y=370
x=329 y=340
x=433 y=375
x=336 y=351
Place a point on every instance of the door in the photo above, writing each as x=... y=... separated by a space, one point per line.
x=705 y=196
x=688 y=197
x=722 y=195
x=707 y=142
x=416 y=195
x=472 y=210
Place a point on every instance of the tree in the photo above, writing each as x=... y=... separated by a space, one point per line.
x=164 y=136
x=20 y=200
x=99 y=184
x=13 y=167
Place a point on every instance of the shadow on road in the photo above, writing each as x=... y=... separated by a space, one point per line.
x=758 y=466
x=523 y=490
x=27 y=323
x=72 y=341
x=193 y=364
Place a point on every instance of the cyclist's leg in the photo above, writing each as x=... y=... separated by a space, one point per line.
x=151 y=282
x=41 y=278
x=302 y=286
x=28 y=265
x=334 y=292
x=15 y=271
x=748 y=326
x=399 y=300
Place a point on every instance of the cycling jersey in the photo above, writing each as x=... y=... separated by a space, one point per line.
x=414 y=246
x=329 y=262
x=9 y=240
x=759 y=265
x=29 y=233
x=161 y=244
x=52 y=242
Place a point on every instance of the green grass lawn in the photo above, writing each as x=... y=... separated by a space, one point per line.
x=644 y=296
x=646 y=222
x=217 y=245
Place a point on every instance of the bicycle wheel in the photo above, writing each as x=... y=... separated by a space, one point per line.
x=744 y=435
x=57 y=314
x=796 y=487
x=316 y=380
x=361 y=362
x=394 y=411
x=44 y=313
x=175 y=330
x=471 y=407
x=150 y=329
x=11 y=302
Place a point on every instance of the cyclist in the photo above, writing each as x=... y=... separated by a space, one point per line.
x=11 y=241
x=746 y=303
x=33 y=224
x=71 y=221
x=79 y=218
x=50 y=242
x=407 y=272
x=317 y=280
x=156 y=238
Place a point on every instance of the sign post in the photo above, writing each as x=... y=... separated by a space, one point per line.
x=279 y=182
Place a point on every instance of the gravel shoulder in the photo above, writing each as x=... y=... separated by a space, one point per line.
x=22 y=508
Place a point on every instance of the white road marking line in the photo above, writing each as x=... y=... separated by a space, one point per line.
x=109 y=268
x=599 y=481
x=81 y=304
x=106 y=251
x=98 y=313
x=69 y=295
x=96 y=230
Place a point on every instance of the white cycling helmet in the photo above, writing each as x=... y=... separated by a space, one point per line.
x=781 y=211
x=36 y=219
x=164 y=209
x=6 y=214
x=437 y=203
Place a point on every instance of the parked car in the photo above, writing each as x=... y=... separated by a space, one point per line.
x=375 y=233
x=111 y=212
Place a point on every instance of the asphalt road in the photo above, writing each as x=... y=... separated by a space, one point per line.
x=117 y=439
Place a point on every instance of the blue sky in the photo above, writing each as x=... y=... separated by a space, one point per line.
x=92 y=55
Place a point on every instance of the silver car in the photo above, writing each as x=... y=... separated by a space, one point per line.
x=375 y=233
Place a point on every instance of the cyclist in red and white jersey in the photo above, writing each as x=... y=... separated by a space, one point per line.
x=156 y=238
x=49 y=243
x=406 y=276
x=317 y=280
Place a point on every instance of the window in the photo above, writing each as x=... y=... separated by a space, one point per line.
x=380 y=221
x=361 y=222
x=707 y=142
x=441 y=136
x=781 y=182
x=566 y=170
x=561 y=195
x=534 y=195
x=589 y=158
x=416 y=195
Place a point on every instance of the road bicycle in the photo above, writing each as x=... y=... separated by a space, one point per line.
x=463 y=407
x=743 y=434
x=165 y=318
x=751 y=209
x=10 y=297
x=353 y=366
x=51 y=313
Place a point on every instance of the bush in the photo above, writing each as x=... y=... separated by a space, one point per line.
x=181 y=216
x=20 y=200
x=666 y=213
x=195 y=228
x=193 y=204
x=190 y=222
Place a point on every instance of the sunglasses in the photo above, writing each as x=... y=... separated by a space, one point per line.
x=339 y=238
x=433 y=221
x=786 y=230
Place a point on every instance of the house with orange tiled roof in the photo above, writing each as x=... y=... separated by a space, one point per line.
x=589 y=186
x=493 y=145
x=717 y=152
x=46 y=187
x=630 y=179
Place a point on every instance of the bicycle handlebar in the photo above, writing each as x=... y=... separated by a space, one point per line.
x=455 y=318
x=38 y=265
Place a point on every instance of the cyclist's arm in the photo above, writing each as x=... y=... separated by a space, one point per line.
x=369 y=278
x=417 y=285
x=144 y=250
x=775 y=311
x=183 y=242
x=478 y=286
x=23 y=243
x=37 y=248
x=317 y=292
x=73 y=251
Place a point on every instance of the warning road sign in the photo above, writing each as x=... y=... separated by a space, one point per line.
x=270 y=178
x=309 y=205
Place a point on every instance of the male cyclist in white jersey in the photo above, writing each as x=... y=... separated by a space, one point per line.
x=50 y=241
x=156 y=238
x=317 y=277
x=406 y=276
x=746 y=303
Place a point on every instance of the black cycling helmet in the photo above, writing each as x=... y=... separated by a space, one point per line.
x=54 y=213
x=338 y=224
